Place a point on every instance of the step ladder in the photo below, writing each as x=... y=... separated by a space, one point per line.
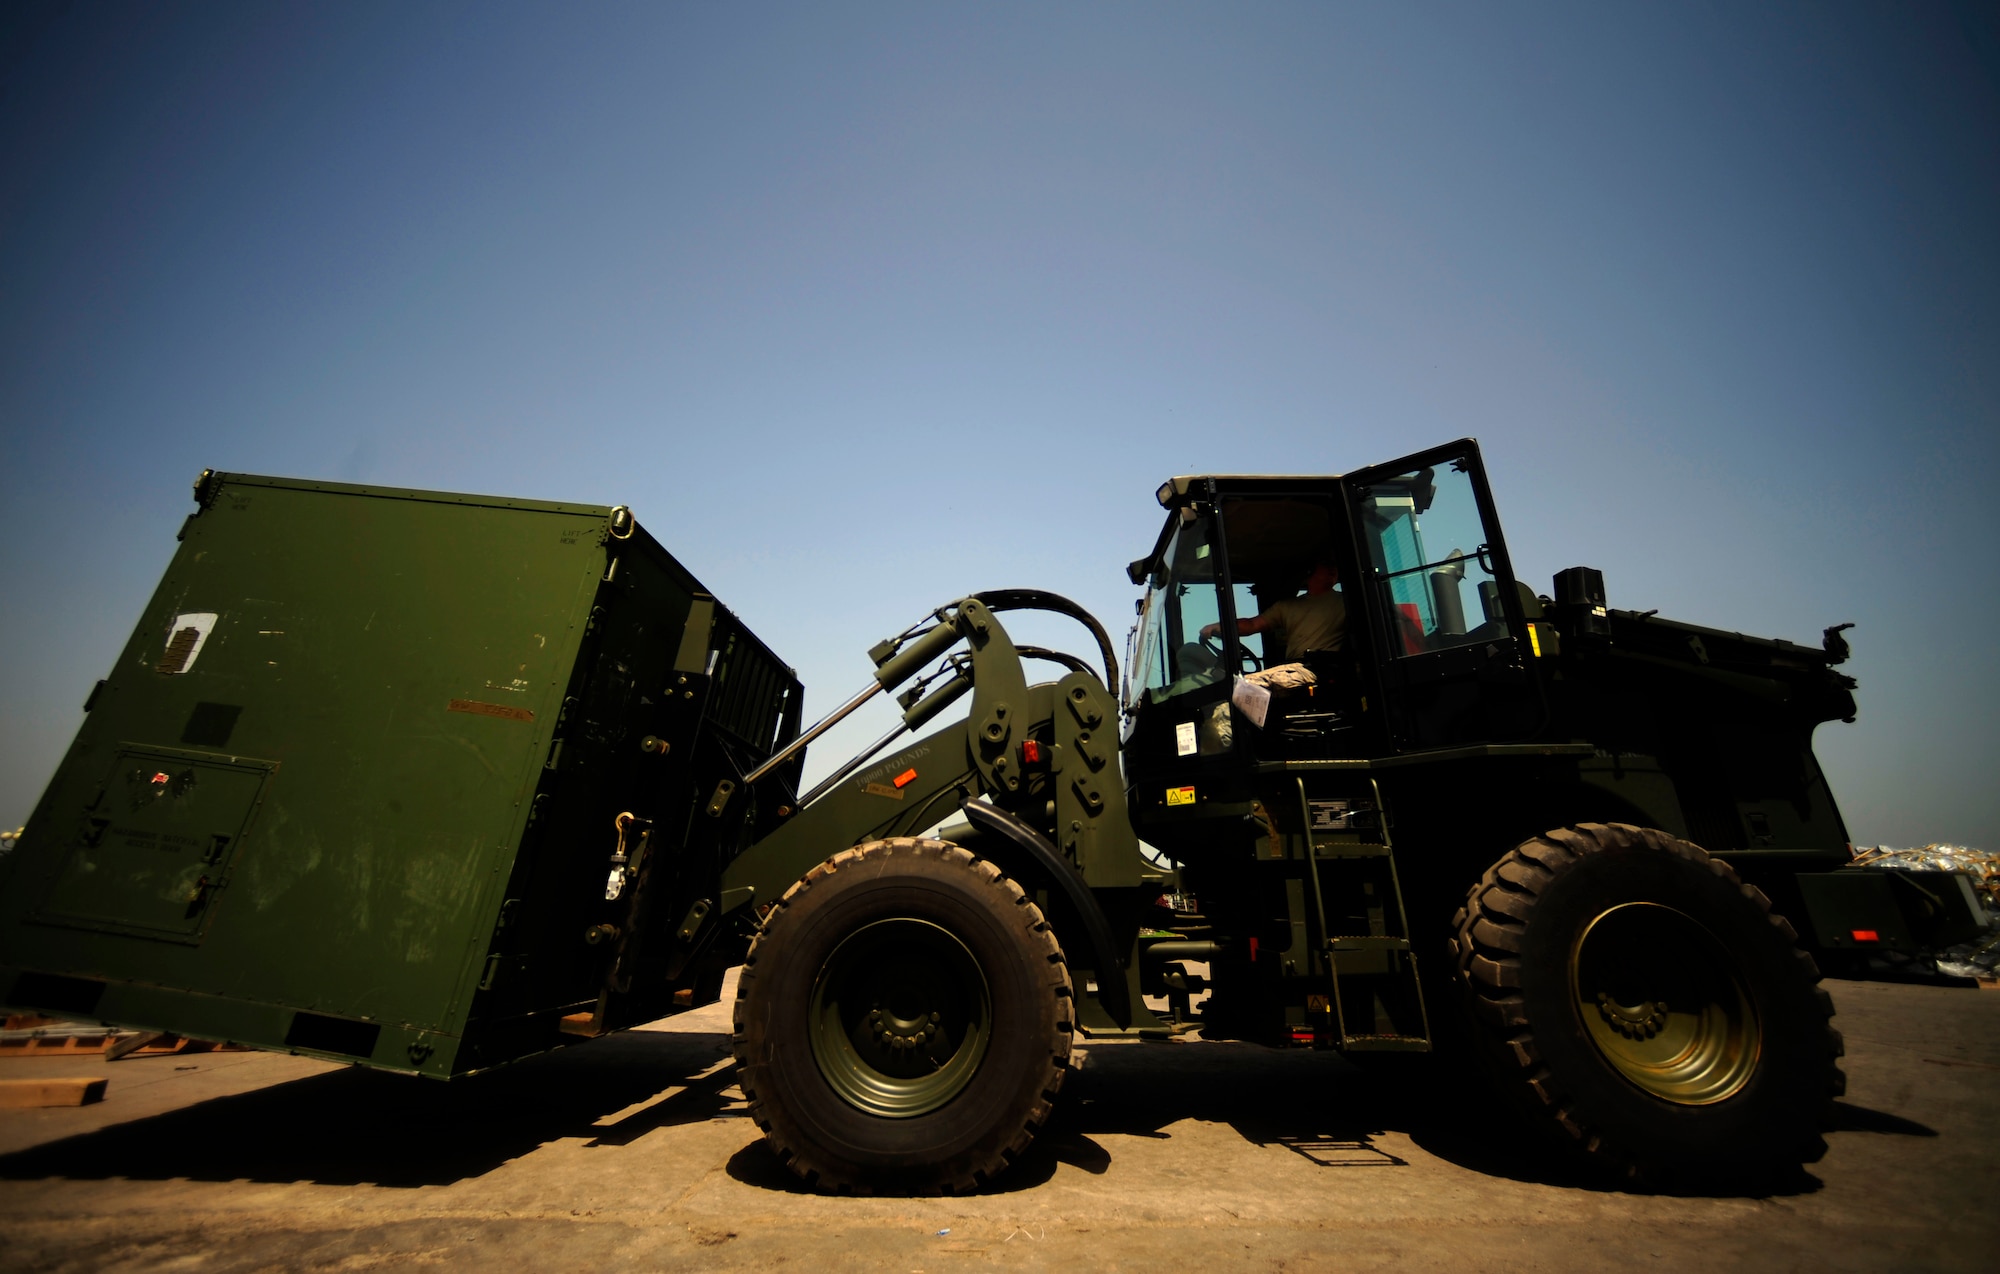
x=1374 y=998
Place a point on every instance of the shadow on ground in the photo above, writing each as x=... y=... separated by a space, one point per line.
x=1334 y=1114
x=1326 y=1110
x=360 y=1126
x=357 y=1126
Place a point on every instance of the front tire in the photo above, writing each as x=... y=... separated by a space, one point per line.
x=903 y=1021
x=1646 y=1009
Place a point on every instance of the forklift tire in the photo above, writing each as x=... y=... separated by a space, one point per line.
x=1646 y=1010
x=903 y=1021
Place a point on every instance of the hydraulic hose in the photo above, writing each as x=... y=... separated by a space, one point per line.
x=1000 y=599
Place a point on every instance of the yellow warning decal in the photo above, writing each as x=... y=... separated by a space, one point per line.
x=1535 y=641
x=1180 y=796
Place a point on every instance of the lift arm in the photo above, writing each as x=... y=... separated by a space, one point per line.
x=937 y=776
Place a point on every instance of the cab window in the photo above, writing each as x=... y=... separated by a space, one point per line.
x=1183 y=596
x=1431 y=567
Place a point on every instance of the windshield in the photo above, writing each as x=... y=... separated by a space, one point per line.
x=1426 y=543
x=1171 y=657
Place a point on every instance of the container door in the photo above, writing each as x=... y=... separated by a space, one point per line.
x=1444 y=611
x=149 y=855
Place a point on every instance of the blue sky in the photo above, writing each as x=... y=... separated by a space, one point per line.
x=864 y=307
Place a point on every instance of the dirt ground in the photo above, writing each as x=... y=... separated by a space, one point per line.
x=634 y=1152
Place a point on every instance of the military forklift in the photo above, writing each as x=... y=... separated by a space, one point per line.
x=1555 y=840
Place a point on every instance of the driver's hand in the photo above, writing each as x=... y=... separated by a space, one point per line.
x=1210 y=630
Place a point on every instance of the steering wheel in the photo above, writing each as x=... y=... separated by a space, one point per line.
x=1213 y=645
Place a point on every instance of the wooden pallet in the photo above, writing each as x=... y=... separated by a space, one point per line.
x=28 y=1035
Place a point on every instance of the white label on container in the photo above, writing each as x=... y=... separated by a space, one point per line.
x=185 y=638
x=1184 y=738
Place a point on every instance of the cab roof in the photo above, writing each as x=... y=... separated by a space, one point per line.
x=1175 y=491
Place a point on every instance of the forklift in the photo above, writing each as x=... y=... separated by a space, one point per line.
x=1587 y=852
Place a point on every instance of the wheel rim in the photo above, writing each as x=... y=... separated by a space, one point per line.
x=1660 y=998
x=901 y=1018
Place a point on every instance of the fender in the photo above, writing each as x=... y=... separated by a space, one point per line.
x=1111 y=989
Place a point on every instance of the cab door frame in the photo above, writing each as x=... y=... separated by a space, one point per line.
x=1498 y=669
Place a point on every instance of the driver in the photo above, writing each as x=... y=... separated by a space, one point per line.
x=1315 y=621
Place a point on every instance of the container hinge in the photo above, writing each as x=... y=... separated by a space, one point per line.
x=692 y=924
x=720 y=801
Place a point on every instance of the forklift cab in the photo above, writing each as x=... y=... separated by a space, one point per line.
x=1437 y=650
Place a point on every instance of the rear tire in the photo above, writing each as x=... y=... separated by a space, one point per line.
x=1646 y=1009
x=903 y=1021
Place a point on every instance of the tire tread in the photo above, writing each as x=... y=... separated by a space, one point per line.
x=959 y=1177
x=1486 y=942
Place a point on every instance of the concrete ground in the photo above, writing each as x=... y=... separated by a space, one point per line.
x=634 y=1152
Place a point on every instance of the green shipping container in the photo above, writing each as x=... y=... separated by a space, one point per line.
x=398 y=777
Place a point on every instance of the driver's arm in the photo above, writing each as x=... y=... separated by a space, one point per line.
x=1244 y=627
